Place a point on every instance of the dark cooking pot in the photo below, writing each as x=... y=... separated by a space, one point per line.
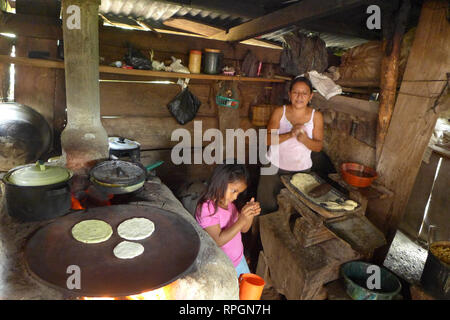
x=37 y=192
x=24 y=135
x=118 y=176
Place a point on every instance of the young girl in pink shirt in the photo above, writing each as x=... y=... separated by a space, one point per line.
x=218 y=216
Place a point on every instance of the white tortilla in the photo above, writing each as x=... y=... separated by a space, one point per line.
x=128 y=250
x=136 y=229
x=348 y=205
x=92 y=231
x=304 y=182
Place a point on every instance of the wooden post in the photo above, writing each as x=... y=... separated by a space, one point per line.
x=415 y=114
x=84 y=140
x=389 y=70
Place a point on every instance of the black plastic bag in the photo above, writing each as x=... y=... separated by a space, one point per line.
x=137 y=60
x=184 y=106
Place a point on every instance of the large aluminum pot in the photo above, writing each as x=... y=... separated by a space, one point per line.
x=24 y=135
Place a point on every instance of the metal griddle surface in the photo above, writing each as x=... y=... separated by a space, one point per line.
x=168 y=253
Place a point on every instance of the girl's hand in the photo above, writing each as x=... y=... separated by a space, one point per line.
x=251 y=208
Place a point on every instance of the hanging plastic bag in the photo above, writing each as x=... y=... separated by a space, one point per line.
x=184 y=106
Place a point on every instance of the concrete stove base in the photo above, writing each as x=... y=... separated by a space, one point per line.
x=212 y=276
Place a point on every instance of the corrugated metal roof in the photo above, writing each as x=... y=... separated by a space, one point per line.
x=155 y=13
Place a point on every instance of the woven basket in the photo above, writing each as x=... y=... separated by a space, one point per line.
x=261 y=114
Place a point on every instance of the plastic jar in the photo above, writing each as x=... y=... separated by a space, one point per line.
x=195 y=60
x=212 y=61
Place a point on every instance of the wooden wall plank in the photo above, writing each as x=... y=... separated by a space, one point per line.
x=148 y=99
x=175 y=176
x=35 y=87
x=151 y=132
x=48 y=8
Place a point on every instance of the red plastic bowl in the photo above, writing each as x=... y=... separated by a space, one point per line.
x=358 y=175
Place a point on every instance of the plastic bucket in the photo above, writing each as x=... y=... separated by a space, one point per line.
x=250 y=286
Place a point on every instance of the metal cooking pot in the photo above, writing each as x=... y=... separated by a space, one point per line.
x=24 y=135
x=36 y=192
x=118 y=176
x=122 y=147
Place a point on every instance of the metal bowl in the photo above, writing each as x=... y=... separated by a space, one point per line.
x=356 y=275
x=25 y=135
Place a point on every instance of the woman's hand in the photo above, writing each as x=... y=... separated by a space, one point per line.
x=301 y=137
x=298 y=129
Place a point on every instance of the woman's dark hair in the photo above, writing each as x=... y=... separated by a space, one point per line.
x=301 y=79
x=217 y=186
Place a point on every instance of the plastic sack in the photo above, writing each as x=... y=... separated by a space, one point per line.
x=137 y=60
x=184 y=106
x=177 y=66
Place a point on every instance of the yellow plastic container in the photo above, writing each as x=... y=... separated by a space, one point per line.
x=195 y=61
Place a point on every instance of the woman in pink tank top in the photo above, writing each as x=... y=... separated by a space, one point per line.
x=299 y=131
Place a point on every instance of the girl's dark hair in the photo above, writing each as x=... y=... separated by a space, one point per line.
x=301 y=79
x=217 y=186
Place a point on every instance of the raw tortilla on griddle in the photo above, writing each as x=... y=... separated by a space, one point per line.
x=128 y=250
x=136 y=229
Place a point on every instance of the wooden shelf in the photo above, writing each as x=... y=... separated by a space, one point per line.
x=42 y=63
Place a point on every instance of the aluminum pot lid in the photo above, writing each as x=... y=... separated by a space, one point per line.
x=120 y=143
x=38 y=174
x=118 y=172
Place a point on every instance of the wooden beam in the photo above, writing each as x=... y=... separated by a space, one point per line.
x=414 y=118
x=192 y=26
x=304 y=11
x=210 y=31
x=389 y=72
